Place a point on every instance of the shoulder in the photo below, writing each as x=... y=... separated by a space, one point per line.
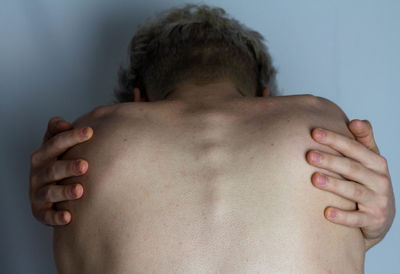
x=311 y=105
x=324 y=107
x=111 y=121
x=313 y=111
x=101 y=113
x=327 y=112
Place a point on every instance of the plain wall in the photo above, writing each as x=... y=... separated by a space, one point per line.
x=61 y=58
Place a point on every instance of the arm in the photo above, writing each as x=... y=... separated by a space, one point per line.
x=368 y=181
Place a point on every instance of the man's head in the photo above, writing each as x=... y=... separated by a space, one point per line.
x=199 y=44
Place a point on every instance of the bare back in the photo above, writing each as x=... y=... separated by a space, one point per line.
x=209 y=190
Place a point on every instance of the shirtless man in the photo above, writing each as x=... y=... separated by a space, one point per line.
x=207 y=177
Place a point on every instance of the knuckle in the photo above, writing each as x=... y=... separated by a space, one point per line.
x=41 y=194
x=35 y=214
x=385 y=183
x=383 y=159
x=31 y=194
x=46 y=194
x=357 y=221
x=352 y=145
x=352 y=219
x=358 y=192
x=345 y=144
x=57 y=143
x=41 y=216
x=48 y=217
x=332 y=183
x=54 y=118
x=44 y=216
x=351 y=167
x=382 y=216
x=33 y=179
x=51 y=172
x=354 y=167
x=34 y=211
x=383 y=203
x=53 y=123
x=54 y=141
x=35 y=158
x=368 y=123
x=67 y=191
x=382 y=162
x=380 y=221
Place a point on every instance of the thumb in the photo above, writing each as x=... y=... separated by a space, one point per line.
x=56 y=125
x=362 y=131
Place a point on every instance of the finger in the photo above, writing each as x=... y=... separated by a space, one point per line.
x=56 y=193
x=53 y=217
x=347 y=217
x=56 y=125
x=59 y=144
x=362 y=131
x=350 y=190
x=346 y=167
x=350 y=148
x=59 y=170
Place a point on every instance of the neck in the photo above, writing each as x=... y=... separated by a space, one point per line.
x=206 y=94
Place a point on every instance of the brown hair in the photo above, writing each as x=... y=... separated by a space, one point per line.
x=197 y=43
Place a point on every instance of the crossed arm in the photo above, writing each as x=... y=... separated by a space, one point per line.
x=367 y=176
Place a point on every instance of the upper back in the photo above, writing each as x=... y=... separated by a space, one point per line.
x=240 y=166
x=260 y=125
x=277 y=128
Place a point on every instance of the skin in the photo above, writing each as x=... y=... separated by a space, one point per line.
x=368 y=180
x=369 y=183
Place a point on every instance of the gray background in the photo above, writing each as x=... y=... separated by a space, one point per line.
x=61 y=58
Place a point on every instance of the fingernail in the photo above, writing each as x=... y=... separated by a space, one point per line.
x=320 y=134
x=73 y=191
x=63 y=217
x=58 y=123
x=321 y=179
x=315 y=157
x=86 y=133
x=332 y=213
x=77 y=166
x=80 y=166
x=83 y=166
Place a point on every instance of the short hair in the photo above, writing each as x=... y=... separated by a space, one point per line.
x=197 y=43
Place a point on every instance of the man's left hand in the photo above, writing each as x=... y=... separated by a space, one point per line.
x=368 y=180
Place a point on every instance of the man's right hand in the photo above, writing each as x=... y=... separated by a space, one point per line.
x=47 y=169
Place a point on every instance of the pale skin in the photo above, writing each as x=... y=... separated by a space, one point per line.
x=368 y=180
